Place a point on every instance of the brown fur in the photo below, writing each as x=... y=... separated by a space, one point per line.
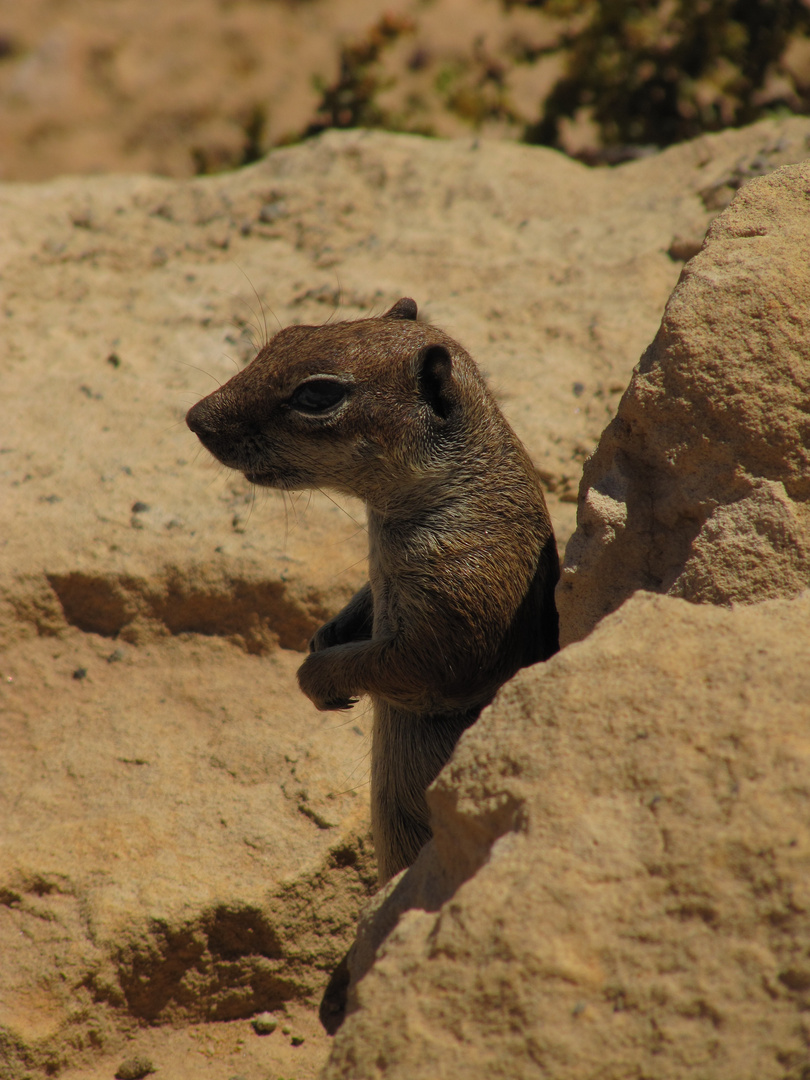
x=462 y=559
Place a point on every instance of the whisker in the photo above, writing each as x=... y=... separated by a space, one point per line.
x=261 y=305
x=284 y=503
x=339 y=303
x=355 y=787
x=195 y=367
x=346 y=569
x=360 y=526
x=246 y=324
x=251 y=505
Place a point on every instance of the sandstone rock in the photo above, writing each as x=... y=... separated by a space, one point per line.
x=618 y=885
x=700 y=486
x=184 y=838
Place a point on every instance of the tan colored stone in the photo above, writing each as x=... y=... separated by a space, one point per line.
x=622 y=851
x=700 y=487
x=184 y=837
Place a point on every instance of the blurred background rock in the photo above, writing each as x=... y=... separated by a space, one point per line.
x=199 y=86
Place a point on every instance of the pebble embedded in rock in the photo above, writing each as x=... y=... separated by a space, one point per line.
x=134 y=1068
x=264 y=1023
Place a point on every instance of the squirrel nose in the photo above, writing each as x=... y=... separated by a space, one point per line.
x=200 y=419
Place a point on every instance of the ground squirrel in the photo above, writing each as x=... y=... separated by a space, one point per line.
x=462 y=557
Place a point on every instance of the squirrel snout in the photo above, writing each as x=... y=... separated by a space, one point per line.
x=201 y=420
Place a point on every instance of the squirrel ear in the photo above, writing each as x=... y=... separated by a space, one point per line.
x=402 y=309
x=435 y=378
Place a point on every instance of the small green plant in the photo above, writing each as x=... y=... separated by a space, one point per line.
x=475 y=89
x=351 y=100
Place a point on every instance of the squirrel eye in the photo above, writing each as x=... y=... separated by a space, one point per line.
x=318 y=395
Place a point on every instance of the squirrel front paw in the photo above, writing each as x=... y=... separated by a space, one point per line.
x=325 y=637
x=313 y=678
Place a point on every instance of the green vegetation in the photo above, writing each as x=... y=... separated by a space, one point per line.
x=660 y=71
x=632 y=73
x=351 y=101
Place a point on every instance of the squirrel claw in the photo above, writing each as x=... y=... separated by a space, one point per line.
x=342 y=704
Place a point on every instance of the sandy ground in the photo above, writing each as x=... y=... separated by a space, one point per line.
x=214 y=1051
